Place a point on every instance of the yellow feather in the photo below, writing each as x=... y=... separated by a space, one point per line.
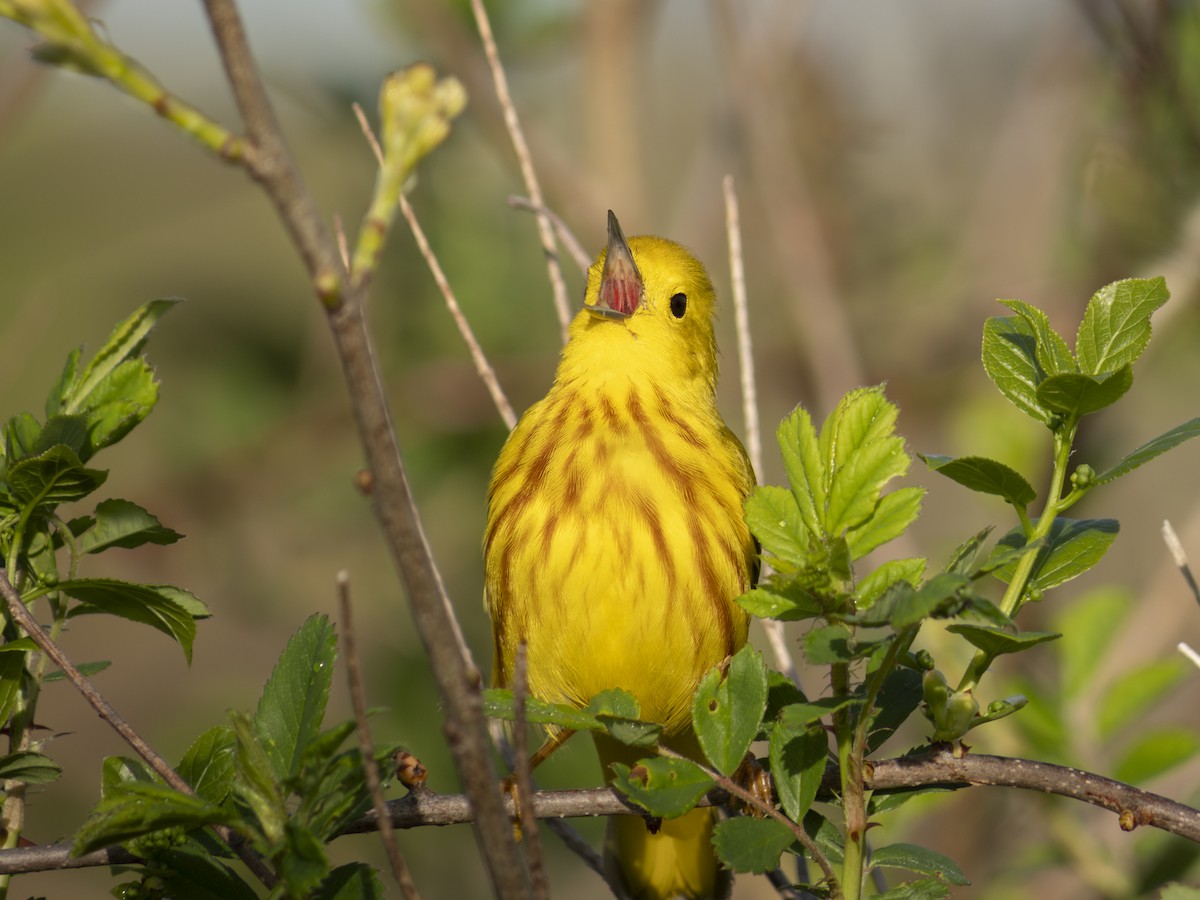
x=615 y=544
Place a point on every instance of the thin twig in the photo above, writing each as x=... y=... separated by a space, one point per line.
x=737 y=277
x=773 y=628
x=1172 y=541
x=23 y=617
x=457 y=677
x=478 y=357
x=565 y=234
x=576 y=843
x=368 y=132
x=1188 y=652
x=732 y=787
x=526 y=818
x=936 y=767
x=525 y=160
x=358 y=700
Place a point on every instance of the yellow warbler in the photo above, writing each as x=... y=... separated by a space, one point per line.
x=615 y=543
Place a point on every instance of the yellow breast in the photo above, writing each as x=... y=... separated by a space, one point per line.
x=615 y=546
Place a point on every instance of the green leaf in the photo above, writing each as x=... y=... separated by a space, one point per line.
x=1089 y=625
x=120 y=523
x=985 y=476
x=352 y=881
x=153 y=605
x=293 y=701
x=857 y=485
x=21 y=435
x=304 y=865
x=208 y=764
x=1177 y=891
x=86 y=669
x=1071 y=548
x=1131 y=695
x=58 y=393
x=902 y=607
x=996 y=641
x=123 y=399
x=829 y=644
x=53 y=477
x=781 y=692
x=962 y=560
x=773 y=518
x=792 y=606
x=797 y=756
x=616 y=703
x=255 y=784
x=1010 y=359
x=20 y=645
x=798 y=715
x=897 y=700
x=124 y=343
x=188 y=873
x=920 y=860
x=498 y=704
x=727 y=712
x=662 y=787
x=68 y=431
x=136 y=808
x=746 y=844
x=631 y=732
x=872 y=587
x=799 y=446
x=1053 y=355
x=1116 y=325
x=893 y=514
x=1151 y=449
x=1156 y=752
x=29 y=767
x=920 y=889
x=1072 y=396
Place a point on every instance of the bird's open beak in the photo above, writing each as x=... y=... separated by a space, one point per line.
x=621 y=283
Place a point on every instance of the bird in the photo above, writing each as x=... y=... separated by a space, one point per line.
x=615 y=545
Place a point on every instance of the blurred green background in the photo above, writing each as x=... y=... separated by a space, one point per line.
x=899 y=166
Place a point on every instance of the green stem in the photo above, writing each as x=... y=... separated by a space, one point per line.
x=1011 y=602
x=854 y=801
x=866 y=718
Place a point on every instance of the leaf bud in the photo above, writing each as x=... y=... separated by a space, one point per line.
x=1083 y=476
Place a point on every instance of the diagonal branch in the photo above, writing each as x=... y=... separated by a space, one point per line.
x=23 y=617
x=458 y=679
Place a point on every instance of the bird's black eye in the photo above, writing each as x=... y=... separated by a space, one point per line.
x=678 y=305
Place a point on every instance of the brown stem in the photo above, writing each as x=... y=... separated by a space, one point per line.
x=24 y=618
x=358 y=698
x=458 y=679
x=936 y=767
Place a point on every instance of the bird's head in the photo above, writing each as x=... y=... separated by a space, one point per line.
x=648 y=310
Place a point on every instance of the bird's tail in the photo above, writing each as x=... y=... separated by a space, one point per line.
x=676 y=861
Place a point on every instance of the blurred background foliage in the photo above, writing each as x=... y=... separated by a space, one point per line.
x=900 y=166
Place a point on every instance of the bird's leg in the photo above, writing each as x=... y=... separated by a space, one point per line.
x=755 y=779
x=509 y=784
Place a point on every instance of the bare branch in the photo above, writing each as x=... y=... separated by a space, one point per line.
x=457 y=677
x=524 y=778
x=478 y=357
x=1171 y=539
x=773 y=628
x=23 y=617
x=517 y=136
x=730 y=786
x=565 y=234
x=737 y=277
x=358 y=699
